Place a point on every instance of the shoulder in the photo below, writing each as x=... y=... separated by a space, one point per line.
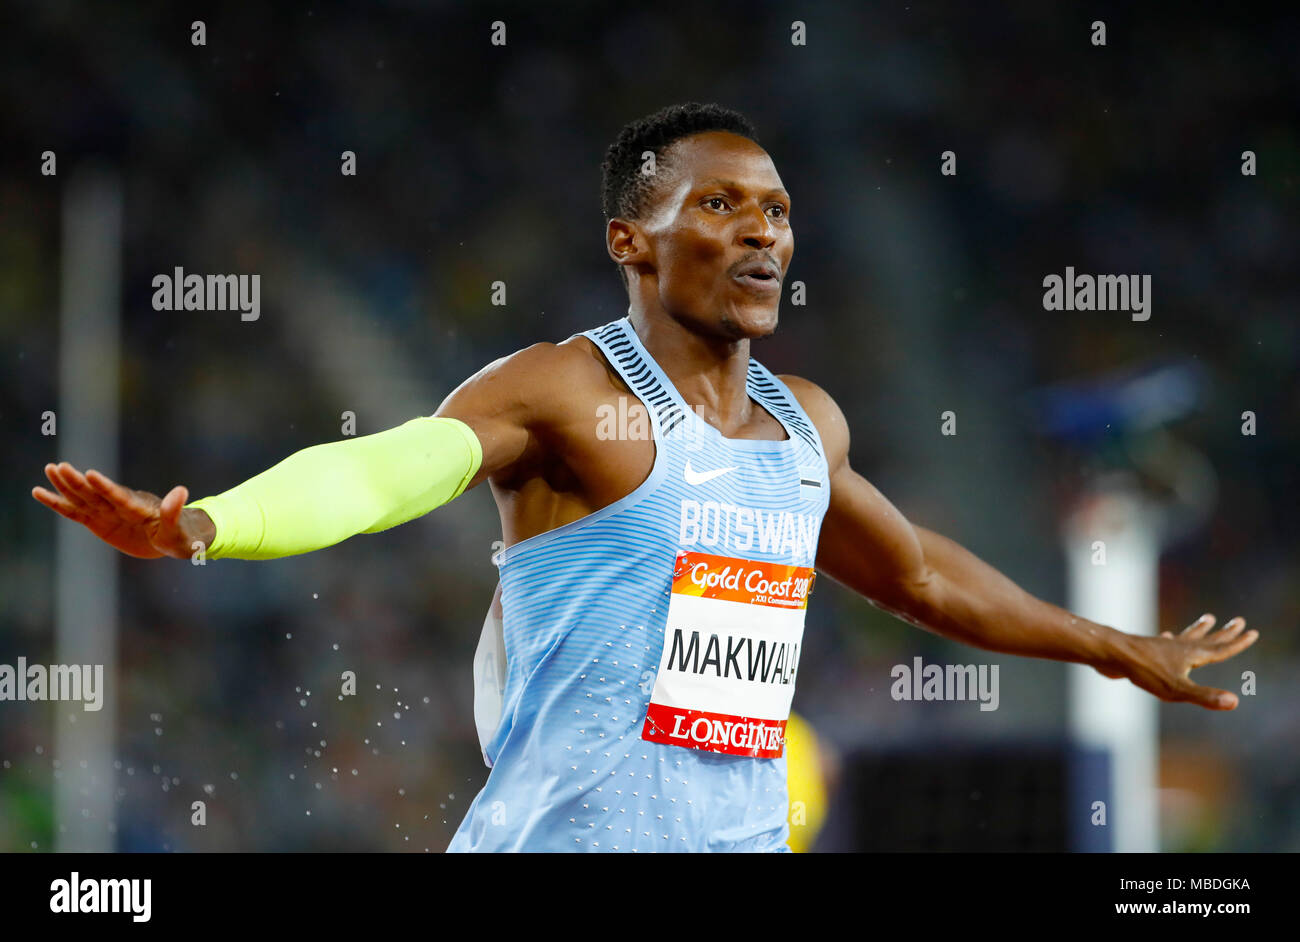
x=540 y=386
x=543 y=360
x=541 y=371
x=576 y=358
x=519 y=405
x=825 y=414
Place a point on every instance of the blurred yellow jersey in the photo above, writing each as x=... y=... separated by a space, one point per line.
x=806 y=783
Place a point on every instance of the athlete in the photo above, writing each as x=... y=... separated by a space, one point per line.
x=664 y=501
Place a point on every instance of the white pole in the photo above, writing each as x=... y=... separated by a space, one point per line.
x=1112 y=547
x=85 y=598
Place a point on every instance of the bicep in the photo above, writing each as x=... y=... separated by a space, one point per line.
x=867 y=544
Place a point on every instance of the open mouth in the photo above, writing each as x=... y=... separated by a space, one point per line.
x=762 y=282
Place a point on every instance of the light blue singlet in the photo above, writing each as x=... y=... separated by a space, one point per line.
x=563 y=707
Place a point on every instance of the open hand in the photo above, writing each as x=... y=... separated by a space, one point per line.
x=138 y=523
x=1161 y=665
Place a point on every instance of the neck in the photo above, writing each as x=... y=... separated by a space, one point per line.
x=710 y=372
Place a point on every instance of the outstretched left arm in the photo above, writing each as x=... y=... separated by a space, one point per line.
x=932 y=582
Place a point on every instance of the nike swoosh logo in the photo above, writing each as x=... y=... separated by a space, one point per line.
x=699 y=477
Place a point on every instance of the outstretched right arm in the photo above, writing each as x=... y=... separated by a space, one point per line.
x=327 y=493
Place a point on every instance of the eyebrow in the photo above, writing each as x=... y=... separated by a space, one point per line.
x=733 y=185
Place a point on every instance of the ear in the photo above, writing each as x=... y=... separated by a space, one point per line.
x=626 y=243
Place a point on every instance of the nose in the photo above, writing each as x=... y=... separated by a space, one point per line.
x=755 y=229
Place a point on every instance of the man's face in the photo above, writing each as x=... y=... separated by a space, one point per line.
x=720 y=213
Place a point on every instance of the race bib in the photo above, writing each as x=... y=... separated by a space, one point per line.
x=731 y=649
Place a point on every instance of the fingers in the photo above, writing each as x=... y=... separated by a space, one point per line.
x=173 y=502
x=1231 y=630
x=1209 y=697
x=1195 y=631
x=78 y=490
x=73 y=499
x=59 y=504
x=1218 y=653
x=58 y=475
x=115 y=495
x=1199 y=628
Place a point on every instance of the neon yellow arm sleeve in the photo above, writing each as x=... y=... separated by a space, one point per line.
x=326 y=493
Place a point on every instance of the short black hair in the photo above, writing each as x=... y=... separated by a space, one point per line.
x=625 y=191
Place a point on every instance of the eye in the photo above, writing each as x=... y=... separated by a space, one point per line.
x=714 y=199
x=783 y=212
